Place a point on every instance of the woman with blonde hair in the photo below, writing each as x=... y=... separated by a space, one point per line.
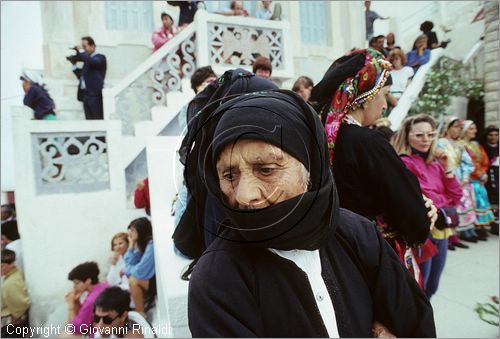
x=462 y=166
x=116 y=276
x=415 y=142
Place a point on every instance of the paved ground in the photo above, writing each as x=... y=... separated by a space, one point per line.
x=470 y=276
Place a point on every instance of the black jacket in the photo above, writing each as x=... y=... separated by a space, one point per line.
x=372 y=180
x=237 y=290
x=94 y=72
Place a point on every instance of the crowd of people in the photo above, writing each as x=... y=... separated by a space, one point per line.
x=303 y=213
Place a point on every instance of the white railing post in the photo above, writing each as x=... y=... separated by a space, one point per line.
x=202 y=48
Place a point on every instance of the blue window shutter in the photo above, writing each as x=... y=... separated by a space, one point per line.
x=313 y=24
x=132 y=16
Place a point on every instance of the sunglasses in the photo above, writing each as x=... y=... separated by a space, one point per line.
x=421 y=135
x=106 y=319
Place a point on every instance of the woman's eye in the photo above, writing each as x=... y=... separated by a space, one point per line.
x=266 y=170
x=229 y=176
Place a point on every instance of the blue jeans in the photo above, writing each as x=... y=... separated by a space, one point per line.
x=433 y=268
x=180 y=208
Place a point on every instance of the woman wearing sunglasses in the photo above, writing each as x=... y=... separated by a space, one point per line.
x=415 y=142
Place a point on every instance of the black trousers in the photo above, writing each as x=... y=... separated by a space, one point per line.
x=92 y=105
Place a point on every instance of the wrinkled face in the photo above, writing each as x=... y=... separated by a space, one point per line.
x=108 y=319
x=374 y=108
x=454 y=130
x=421 y=136
x=305 y=92
x=471 y=132
x=167 y=22
x=492 y=137
x=89 y=49
x=254 y=174
x=132 y=232
x=120 y=246
x=261 y=72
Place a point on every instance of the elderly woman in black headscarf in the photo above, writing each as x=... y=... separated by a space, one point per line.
x=198 y=224
x=288 y=262
x=371 y=178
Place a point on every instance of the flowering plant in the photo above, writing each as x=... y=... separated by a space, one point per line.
x=488 y=312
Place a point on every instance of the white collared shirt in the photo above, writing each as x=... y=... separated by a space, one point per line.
x=310 y=263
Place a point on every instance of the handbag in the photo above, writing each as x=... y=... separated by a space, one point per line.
x=447 y=217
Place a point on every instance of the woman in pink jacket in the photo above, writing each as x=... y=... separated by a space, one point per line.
x=164 y=33
x=415 y=143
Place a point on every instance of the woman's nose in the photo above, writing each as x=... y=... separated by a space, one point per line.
x=248 y=193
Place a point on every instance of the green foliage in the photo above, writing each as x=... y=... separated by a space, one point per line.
x=444 y=81
x=488 y=312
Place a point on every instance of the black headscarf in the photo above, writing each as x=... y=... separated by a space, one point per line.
x=285 y=120
x=189 y=235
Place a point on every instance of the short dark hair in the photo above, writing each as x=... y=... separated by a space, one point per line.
x=426 y=26
x=168 y=15
x=113 y=299
x=144 y=232
x=10 y=231
x=302 y=81
x=8 y=256
x=262 y=62
x=89 y=40
x=200 y=75
x=85 y=271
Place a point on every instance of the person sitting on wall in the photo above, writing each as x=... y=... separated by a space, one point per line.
x=303 y=87
x=264 y=12
x=37 y=97
x=164 y=33
x=116 y=275
x=432 y=42
x=11 y=240
x=15 y=299
x=85 y=279
x=140 y=261
x=235 y=9
x=187 y=10
x=262 y=67
x=112 y=317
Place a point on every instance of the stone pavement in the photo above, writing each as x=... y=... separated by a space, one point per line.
x=470 y=276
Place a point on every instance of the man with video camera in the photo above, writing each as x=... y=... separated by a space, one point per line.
x=91 y=77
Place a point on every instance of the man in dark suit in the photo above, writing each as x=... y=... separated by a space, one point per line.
x=91 y=78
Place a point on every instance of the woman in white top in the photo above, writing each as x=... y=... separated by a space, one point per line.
x=401 y=76
x=116 y=277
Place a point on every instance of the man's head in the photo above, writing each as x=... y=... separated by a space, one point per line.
x=201 y=78
x=367 y=5
x=8 y=261
x=88 y=44
x=84 y=276
x=167 y=20
x=377 y=43
x=426 y=26
x=111 y=309
x=266 y=4
x=262 y=67
x=7 y=211
x=9 y=232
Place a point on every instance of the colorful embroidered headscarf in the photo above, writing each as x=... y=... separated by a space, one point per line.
x=361 y=75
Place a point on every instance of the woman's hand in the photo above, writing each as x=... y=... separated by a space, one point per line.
x=380 y=331
x=131 y=242
x=432 y=214
x=72 y=298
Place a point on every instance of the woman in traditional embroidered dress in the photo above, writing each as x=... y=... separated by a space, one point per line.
x=371 y=179
x=415 y=142
x=461 y=164
x=479 y=177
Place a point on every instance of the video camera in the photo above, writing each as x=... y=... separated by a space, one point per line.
x=75 y=57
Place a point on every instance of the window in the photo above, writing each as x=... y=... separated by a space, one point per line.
x=313 y=25
x=136 y=16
